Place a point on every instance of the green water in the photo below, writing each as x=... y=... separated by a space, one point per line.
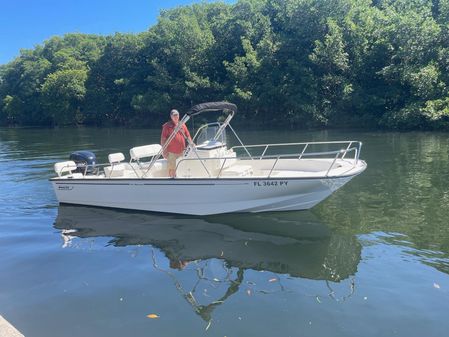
x=372 y=260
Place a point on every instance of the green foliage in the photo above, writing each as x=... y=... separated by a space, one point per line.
x=10 y=108
x=62 y=94
x=426 y=82
x=286 y=63
x=114 y=78
x=330 y=54
x=332 y=63
x=437 y=110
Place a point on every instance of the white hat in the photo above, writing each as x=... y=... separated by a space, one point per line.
x=174 y=112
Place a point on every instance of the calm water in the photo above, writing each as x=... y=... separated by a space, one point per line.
x=372 y=260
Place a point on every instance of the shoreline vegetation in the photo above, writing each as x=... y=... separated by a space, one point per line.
x=375 y=64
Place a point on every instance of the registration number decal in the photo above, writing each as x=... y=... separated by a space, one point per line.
x=270 y=183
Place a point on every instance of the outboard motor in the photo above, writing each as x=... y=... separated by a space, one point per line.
x=83 y=159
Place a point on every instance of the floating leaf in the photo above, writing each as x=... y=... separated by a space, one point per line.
x=318 y=299
x=216 y=279
x=272 y=280
x=152 y=316
x=436 y=285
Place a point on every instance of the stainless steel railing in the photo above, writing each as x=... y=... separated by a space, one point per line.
x=304 y=146
x=334 y=155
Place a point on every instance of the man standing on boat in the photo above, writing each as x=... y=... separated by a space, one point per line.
x=177 y=145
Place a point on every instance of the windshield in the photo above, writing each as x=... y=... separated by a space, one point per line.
x=207 y=133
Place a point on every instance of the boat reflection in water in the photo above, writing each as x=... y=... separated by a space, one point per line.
x=221 y=248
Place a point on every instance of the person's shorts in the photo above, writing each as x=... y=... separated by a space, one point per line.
x=171 y=160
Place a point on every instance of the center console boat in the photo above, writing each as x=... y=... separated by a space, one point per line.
x=212 y=178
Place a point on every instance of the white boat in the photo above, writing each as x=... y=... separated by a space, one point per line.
x=212 y=178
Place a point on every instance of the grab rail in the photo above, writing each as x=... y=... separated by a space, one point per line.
x=337 y=153
x=276 y=158
x=304 y=145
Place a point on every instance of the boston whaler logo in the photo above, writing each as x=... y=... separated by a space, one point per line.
x=65 y=188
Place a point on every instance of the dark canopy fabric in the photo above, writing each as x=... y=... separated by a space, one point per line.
x=211 y=106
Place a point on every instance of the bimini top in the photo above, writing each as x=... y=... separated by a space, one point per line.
x=211 y=106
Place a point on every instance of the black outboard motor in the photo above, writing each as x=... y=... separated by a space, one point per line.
x=83 y=159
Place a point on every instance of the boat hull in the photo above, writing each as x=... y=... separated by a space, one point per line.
x=199 y=196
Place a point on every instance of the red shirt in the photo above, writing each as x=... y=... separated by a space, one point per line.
x=178 y=143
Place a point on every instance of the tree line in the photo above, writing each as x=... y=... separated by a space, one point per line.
x=285 y=63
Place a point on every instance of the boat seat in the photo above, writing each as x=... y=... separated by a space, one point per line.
x=117 y=169
x=115 y=158
x=145 y=151
x=64 y=167
x=237 y=171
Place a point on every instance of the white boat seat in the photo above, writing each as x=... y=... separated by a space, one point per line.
x=145 y=151
x=115 y=158
x=65 y=166
x=237 y=171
